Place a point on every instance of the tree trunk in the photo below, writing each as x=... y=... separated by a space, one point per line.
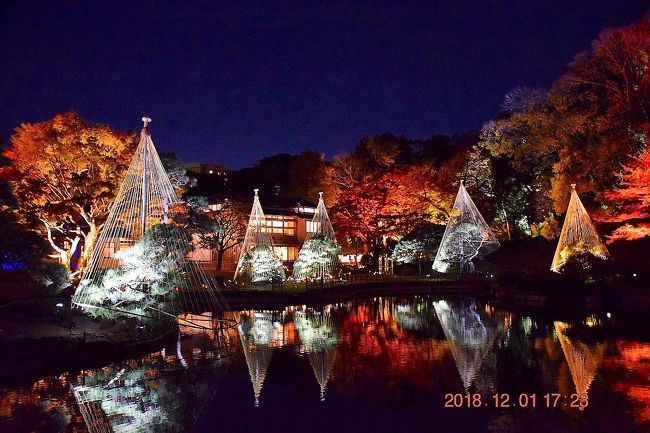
x=505 y=215
x=356 y=252
x=64 y=256
x=89 y=245
x=219 y=258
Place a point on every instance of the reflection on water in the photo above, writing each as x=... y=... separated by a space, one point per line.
x=469 y=338
x=259 y=332
x=159 y=392
x=583 y=359
x=383 y=364
x=318 y=332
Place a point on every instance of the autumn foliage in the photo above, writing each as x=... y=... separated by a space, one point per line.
x=65 y=173
x=582 y=130
x=631 y=200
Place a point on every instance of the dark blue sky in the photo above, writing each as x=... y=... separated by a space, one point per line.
x=233 y=82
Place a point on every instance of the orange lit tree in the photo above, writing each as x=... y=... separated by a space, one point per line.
x=581 y=131
x=604 y=102
x=65 y=173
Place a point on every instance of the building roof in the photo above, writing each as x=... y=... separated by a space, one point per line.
x=273 y=205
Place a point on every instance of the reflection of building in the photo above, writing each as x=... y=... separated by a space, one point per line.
x=583 y=359
x=319 y=335
x=287 y=220
x=469 y=338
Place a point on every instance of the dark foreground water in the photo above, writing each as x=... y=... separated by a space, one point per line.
x=379 y=365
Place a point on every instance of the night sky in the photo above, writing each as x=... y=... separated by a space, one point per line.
x=231 y=83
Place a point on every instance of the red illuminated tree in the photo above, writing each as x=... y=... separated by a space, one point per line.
x=390 y=204
x=632 y=200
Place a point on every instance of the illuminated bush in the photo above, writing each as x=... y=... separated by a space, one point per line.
x=319 y=257
x=148 y=276
x=260 y=264
x=420 y=244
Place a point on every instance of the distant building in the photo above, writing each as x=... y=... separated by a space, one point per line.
x=215 y=175
x=203 y=168
x=288 y=221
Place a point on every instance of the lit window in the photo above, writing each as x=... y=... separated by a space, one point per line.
x=282 y=253
x=286 y=254
x=313 y=226
x=305 y=209
x=280 y=226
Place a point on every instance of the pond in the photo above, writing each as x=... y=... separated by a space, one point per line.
x=395 y=364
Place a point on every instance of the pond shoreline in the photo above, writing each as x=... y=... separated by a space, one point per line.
x=258 y=299
x=559 y=295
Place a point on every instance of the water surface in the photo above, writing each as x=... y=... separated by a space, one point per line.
x=376 y=365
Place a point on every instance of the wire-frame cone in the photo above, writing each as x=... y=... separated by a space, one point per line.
x=466 y=236
x=578 y=234
x=140 y=266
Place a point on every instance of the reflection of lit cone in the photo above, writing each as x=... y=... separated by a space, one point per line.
x=143 y=396
x=322 y=363
x=319 y=334
x=258 y=357
x=583 y=360
x=470 y=341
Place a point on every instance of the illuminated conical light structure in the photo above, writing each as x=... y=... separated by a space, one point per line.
x=583 y=359
x=256 y=334
x=319 y=336
x=139 y=266
x=258 y=260
x=470 y=340
x=578 y=234
x=319 y=254
x=467 y=236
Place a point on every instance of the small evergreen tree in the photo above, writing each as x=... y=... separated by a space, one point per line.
x=149 y=272
x=318 y=258
x=260 y=264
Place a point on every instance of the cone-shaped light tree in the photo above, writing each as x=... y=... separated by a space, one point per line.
x=258 y=261
x=140 y=264
x=319 y=254
x=467 y=236
x=578 y=236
